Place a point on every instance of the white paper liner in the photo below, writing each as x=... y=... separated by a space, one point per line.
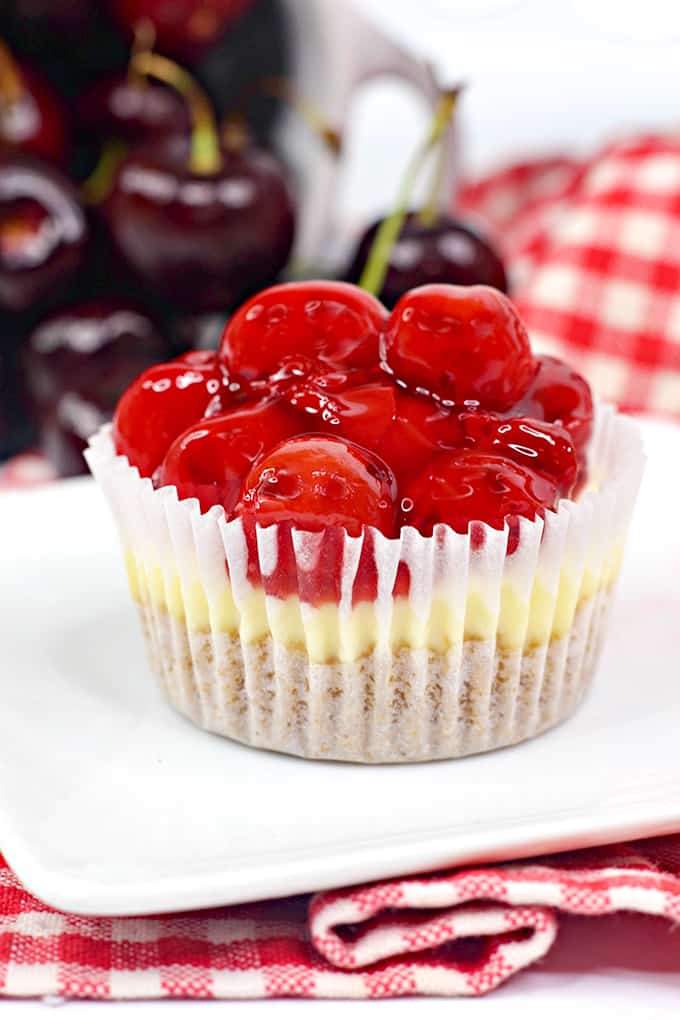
x=392 y=703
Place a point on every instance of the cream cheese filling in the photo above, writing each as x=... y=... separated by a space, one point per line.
x=331 y=633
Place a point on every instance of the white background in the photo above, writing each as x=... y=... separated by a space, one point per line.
x=542 y=76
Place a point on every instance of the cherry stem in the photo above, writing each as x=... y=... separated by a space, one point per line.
x=281 y=88
x=205 y=155
x=430 y=211
x=98 y=185
x=11 y=86
x=143 y=42
x=235 y=130
x=375 y=270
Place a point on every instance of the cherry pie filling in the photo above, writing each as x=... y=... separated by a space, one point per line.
x=322 y=412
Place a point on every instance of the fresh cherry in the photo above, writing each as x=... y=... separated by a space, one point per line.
x=103 y=344
x=333 y=323
x=32 y=117
x=43 y=231
x=78 y=362
x=444 y=251
x=559 y=394
x=316 y=481
x=461 y=344
x=470 y=485
x=212 y=458
x=202 y=239
x=183 y=27
x=163 y=402
x=132 y=109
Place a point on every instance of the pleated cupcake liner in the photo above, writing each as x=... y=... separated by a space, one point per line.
x=392 y=702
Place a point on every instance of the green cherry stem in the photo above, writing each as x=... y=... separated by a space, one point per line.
x=205 y=157
x=375 y=270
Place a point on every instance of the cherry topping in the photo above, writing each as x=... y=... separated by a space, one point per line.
x=315 y=481
x=460 y=344
x=211 y=459
x=335 y=323
x=162 y=402
x=470 y=485
x=546 y=448
x=360 y=413
x=420 y=428
x=559 y=394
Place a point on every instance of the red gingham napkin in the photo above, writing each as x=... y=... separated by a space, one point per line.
x=458 y=933
x=594 y=255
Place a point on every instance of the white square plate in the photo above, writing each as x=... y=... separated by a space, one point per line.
x=111 y=803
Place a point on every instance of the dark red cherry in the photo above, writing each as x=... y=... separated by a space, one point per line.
x=32 y=117
x=203 y=240
x=470 y=485
x=559 y=394
x=43 y=231
x=461 y=344
x=445 y=251
x=78 y=362
x=334 y=323
x=132 y=109
x=316 y=481
x=163 y=402
x=211 y=459
x=100 y=344
x=183 y=27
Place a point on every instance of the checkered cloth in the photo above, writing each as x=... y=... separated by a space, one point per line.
x=459 y=933
x=594 y=256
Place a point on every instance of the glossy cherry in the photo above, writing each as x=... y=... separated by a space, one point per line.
x=78 y=363
x=163 y=402
x=559 y=394
x=32 y=117
x=544 y=447
x=43 y=230
x=470 y=485
x=210 y=460
x=204 y=240
x=444 y=251
x=461 y=344
x=333 y=323
x=316 y=481
x=132 y=109
x=421 y=428
x=360 y=413
x=183 y=27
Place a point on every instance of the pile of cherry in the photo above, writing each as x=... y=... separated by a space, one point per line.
x=322 y=409
x=117 y=247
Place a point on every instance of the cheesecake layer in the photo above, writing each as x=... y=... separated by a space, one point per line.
x=331 y=633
